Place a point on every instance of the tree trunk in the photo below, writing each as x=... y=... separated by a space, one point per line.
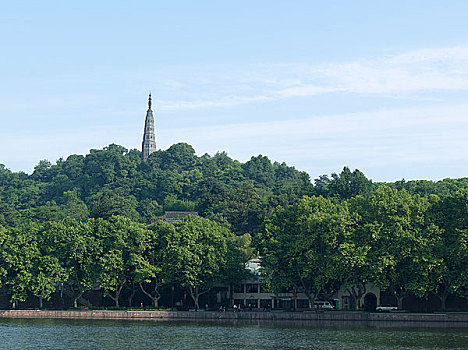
x=130 y=297
x=442 y=302
x=195 y=294
x=116 y=300
x=353 y=296
x=76 y=295
x=356 y=293
x=400 y=299
x=155 y=296
x=309 y=293
x=311 y=296
x=443 y=297
x=400 y=294
x=75 y=299
x=117 y=296
x=40 y=302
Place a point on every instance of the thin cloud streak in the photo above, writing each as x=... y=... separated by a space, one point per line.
x=399 y=75
x=376 y=142
x=372 y=141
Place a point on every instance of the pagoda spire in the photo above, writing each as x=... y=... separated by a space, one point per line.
x=148 y=145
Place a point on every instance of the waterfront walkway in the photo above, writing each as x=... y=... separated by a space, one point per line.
x=333 y=317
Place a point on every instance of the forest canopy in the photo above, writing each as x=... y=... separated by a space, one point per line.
x=114 y=181
x=92 y=221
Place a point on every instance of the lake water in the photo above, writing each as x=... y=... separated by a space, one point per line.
x=101 y=334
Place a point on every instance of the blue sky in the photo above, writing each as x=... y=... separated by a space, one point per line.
x=376 y=85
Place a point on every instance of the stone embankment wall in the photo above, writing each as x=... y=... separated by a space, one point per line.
x=303 y=318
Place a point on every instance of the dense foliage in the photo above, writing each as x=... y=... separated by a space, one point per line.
x=403 y=243
x=114 y=181
x=91 y=221
x=117 y=253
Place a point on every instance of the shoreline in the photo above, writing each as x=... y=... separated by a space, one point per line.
x=300 y=318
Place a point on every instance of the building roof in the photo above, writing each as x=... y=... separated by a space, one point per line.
x=175 y=216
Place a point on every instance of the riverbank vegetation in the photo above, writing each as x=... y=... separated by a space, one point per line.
x=92 y=222
x=403 y=243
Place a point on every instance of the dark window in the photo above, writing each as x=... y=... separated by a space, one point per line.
x=285 y=304
x=251 y=288
x=265 y=302
x=238 y=288
x=303 y=303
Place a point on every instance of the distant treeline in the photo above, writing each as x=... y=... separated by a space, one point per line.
x=91 y=221
x=114 y=181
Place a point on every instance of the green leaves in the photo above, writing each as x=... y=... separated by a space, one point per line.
x=297 y=245
x=31 y=265
x=199 y=253
x=400 y=242
x=407 y=236
x=112 y=203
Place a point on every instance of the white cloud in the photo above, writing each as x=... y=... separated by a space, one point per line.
x=404 y=74
x=385 y=144
x=219 y=102
x=378 y=142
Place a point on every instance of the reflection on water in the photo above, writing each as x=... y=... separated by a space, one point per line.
x=101 y=334
x=340 y=323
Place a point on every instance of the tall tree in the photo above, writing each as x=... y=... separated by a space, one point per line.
x=345 y=185
x=297 y=242
x=73 y=206
x=243 y=208
x=108 y=203
x=398 y=232
x=32 y=266
x=123 y=245
x=148 y=274
x=450 y=249
x=196 y=255
x=78 y=250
